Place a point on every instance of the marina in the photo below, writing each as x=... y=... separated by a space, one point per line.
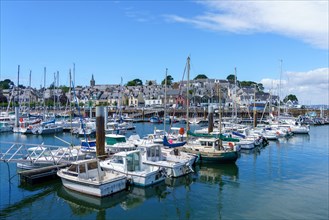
x=287 y=179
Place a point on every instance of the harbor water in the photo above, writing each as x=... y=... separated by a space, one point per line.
x=288 y=179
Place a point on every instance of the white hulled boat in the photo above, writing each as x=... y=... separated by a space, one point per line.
x=87 y=177
x=130 y=164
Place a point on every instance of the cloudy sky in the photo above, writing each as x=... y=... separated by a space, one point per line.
x=265 y=40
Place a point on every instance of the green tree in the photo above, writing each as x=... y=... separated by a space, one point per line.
x=135 y=82
x=6 y=84
x=201 y=76
x=231 y=78
x=64 y=89
x=169 y=80
x=290 y=97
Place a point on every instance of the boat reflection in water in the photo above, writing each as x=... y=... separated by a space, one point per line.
x=83 y=204
x=180 y=181
x=138 y=195
x=217 y=173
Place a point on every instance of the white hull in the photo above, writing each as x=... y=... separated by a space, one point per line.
x=145 y=178
x=246 y=145
x=173 y=169
x=87 y=177
x=90 y=188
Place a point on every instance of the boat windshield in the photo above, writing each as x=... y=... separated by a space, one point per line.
x=133 y=162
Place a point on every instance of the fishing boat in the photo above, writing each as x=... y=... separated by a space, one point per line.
x=48 y=127
x=152 y=156
x=130 y=164
x=155 y=119
x=86 y=176
x=212 y=150
x=116 y=143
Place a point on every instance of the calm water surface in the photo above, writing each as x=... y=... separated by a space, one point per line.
x=285 y=180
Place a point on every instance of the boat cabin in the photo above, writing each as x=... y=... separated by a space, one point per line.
x=127 y=161
x=151 y=152
x=210 y=143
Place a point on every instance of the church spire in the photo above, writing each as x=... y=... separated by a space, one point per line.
x=92 y=81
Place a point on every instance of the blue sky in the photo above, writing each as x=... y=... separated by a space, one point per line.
x=140 y=39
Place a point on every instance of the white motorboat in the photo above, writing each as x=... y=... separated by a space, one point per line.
x=130 y=164
x=87 y=177
x=152 y=155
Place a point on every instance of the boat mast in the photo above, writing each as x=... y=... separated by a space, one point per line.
x=187 y=93
x=18 y=101
x=30 y=91
x=280 y=88
x=235 y=108
x=54 y=91
x=44 y=92
x=57 y=90
x=70 y=107
x=165 y=103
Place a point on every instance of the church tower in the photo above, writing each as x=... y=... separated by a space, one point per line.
x=92 y=81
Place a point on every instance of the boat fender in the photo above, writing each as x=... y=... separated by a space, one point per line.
x=181 y=131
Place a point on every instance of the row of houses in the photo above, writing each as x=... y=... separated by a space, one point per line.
x=202 y=92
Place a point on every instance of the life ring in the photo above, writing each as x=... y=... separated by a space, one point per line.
x=278 y=133
x=231 y=145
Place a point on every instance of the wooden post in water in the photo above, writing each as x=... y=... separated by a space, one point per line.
x=100 y=132
x=210 y=119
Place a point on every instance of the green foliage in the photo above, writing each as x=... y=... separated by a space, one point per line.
x=231 y=78
x=169 y=80
x=64 y=89
x=135 y=82
x=6 y=84
x=247 y=83
x=201 y=76
x=290 y=97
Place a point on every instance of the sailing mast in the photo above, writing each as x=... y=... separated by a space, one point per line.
x=280 y=88
x=44 y=92
x=29 y=93
x=165 y=103
x=18 y=87
x=187 y=99
x=235 y=108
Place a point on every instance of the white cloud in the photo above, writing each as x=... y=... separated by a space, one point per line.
x=305 y=20
x=310 y=87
